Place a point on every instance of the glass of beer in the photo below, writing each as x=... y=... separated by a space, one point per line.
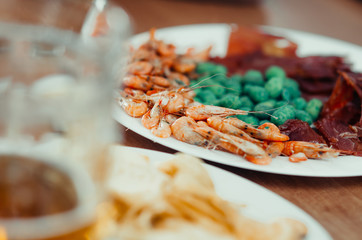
x=59 y=63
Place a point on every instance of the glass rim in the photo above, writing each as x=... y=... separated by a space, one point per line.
x=10 y=30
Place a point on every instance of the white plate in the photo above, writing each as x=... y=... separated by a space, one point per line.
x=201 y=36
x=261 y=204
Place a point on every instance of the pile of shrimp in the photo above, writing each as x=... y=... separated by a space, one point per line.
x=156 y=90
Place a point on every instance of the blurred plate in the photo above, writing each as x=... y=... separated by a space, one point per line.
x=260 y=203
x=217 y=35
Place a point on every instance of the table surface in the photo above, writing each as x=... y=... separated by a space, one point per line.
x=334 y=202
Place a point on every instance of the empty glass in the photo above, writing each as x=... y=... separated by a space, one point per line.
x=59 y=63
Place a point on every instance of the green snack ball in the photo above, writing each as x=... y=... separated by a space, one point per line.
x=286 y=96
x=244 y=108
x=193 y=83
x=280 y=104
x=267 y=107
x=233 y=87
x=197 y=99
x=197 y=91
x=219 y=79
x=247 y=88
x=274 y=71
x=205 y=81
x=253 y=77
x=205 y=94
x=288 y=82
x=314 y=107
x=299 y=103
x=210 y=100
x=294 y=92
x=236 y=78
x=246 y=103
x=204 y=67
x=274 y=86
x=258 y=94
x=218 y=90
x=248 y=119
x=304 y=116
x=230 y=101
x=219 y=70
x=263 y=121
x=283 y=114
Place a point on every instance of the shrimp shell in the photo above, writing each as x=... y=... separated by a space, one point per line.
x=298 y=157
x=140 y=68
x=182 y=129
x=162 y=130
x=133 y=108
x=137 y=82
x=152 y=118
x=311 y=150
x=203 y=112
x=218 y=124
x=246 y=149
x=263 y=134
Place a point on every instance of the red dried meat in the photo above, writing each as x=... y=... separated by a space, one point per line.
x=298 y=130
x=244 y=40
x=344 y=104
x=340 y=136
x=341 y=119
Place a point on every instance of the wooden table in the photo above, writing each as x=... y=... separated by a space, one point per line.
x=334 y=202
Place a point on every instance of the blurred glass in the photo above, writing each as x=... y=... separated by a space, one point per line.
x=59 y=63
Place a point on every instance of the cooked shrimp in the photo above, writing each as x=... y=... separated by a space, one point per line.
x=171 y=118
x=203 y=112
x=274 y=149
x=184 y=65
x=160 y=81
x=172 y=101
x=131 y=92
x=298 y=157
x=178 y=79
x=201 y=56
x=140 y=68
x=176 y=102
x=152 y=118
x=182 y=129
x=162 y=130
x=165 y=49
x=269 y=126
x=246 y=149
x=133 y=108
x=263 y=134
x=311 y=150
x=218 y=124
x=137 y=82
x=142 y=54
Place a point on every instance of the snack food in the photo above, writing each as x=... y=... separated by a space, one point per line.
x=177 y=200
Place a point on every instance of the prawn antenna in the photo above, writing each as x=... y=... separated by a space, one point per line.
x=208 y=78
x=271 y=115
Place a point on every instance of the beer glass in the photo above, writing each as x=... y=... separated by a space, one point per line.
x=59 y=63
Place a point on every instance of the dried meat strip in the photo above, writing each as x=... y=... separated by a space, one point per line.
x=344 y=104
x=340 y=136
x=298 y=130
x=341 y=120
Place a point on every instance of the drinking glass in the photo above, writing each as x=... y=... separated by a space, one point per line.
x=59 y=63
